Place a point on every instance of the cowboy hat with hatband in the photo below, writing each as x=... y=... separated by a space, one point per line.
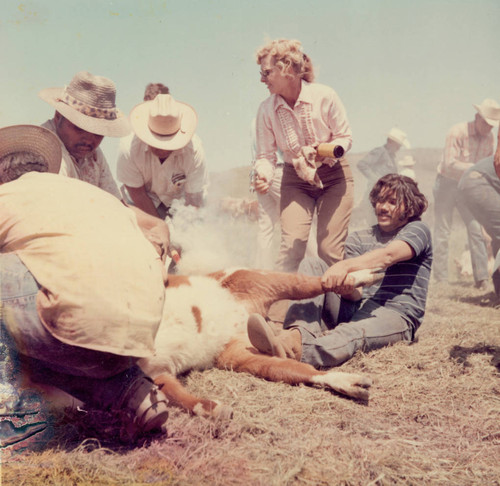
x=399 y=136
x=490 y=111
x=89 y=103
x=34 y=139
x=164 y=123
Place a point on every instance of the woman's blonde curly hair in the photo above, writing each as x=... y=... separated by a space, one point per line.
x=288 y=55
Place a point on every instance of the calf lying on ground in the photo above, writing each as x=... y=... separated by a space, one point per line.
x=204 y=325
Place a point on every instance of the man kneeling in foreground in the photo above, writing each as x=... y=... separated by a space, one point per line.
x=327 y=330
x=81 y=285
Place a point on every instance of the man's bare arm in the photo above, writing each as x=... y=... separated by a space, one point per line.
x=141 y=199
x=336 y=278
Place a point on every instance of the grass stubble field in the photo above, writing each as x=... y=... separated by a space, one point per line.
x=433 y=416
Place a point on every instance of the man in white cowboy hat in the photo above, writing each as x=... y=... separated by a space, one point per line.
x=379 y=162
x=164 y=159
x=86 y=112
x=466 y=144
x=81 y=299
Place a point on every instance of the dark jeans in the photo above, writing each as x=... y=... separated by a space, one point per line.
x=333 y=328
x=94 y=377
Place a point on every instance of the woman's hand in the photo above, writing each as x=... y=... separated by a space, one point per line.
x=261 y=185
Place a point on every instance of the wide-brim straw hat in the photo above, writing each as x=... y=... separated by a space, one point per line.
x=34 y=139
x=89 y=103
x=399 y=137
x=490 y=111
x=164 y=123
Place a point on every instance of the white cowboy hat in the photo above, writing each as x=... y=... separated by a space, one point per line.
x=89 y=103
x=406 y=161
x=32 y=138
x=164 y=123
x=490 y=111
x=399 y=137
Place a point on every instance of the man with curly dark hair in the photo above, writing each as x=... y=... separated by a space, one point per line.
x=328 y=330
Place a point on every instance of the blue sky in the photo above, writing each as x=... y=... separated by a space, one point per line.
x=419 y=65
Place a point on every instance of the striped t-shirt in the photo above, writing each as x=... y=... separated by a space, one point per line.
x=404 y=287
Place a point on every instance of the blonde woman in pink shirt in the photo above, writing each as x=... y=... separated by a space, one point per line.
x=297 y=117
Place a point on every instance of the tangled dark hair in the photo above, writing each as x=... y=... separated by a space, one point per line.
x=406 y=191
x=153 y=90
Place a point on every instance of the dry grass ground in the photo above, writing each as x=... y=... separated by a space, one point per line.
x=433 y=418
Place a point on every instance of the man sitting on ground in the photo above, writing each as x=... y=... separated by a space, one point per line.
x=81 y=296
x=85 y=113
x=328 y=330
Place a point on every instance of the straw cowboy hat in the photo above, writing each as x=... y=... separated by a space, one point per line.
x=89 y=103
x=31 y=138
x=490 y=111
x=399 y=137
x=164 y=123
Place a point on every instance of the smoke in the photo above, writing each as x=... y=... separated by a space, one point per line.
x=211 y=240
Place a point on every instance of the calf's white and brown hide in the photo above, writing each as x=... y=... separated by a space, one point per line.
x=204 y=325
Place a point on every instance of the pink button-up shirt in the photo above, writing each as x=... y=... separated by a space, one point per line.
x=464 y=147
x=317 y=117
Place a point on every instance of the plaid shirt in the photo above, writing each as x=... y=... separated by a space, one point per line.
x=464 y=147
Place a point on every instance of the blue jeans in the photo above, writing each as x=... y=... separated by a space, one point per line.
x=91 y=376
x=483 y=202
x=446 y=198
x=333 y=328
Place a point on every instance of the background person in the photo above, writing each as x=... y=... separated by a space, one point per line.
x=152 y=90
x=81 y=298
x=382 y=160
x=269 y=209
x=328 y=330
x=163 y=159
x=466 y=144
x=296 y=117
x=86 y=112
x=480 y=189
x=376 y=164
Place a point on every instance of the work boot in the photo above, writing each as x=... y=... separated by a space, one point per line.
x=148 y=406
x=283 y=344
